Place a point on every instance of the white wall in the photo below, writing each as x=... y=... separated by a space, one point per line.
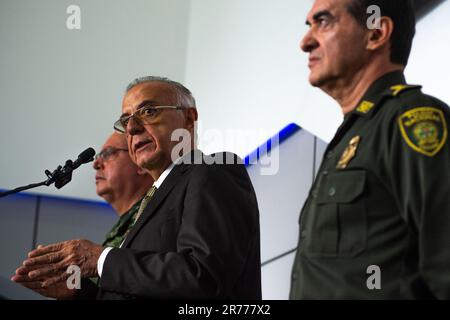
x=280 y=199
x=246 y=68
x=61 y=90
x=429 y=64
x=247 y=71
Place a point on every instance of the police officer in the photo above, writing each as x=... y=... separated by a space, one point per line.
x=376 y=224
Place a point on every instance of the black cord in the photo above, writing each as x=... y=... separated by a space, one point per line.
x=278 y=257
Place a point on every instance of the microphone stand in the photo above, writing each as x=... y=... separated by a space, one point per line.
x=16 y=190
x=60 y=177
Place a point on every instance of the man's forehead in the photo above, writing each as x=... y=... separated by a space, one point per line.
x=159 y=92
x=115 y=140
x=325 y=5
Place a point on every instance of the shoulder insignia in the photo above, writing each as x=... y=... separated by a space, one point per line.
x=424 y=129
x=396 y=90
x=365 y=106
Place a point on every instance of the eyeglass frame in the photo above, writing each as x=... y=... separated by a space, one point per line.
x=140 y=117
x=111 y=151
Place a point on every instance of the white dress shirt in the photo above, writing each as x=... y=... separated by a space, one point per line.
x=157 y=184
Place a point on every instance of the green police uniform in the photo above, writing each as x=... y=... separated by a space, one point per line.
x=376 y=224
x=116 y=235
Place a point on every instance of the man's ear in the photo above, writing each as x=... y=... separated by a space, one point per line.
x=191 y=117
x=381 y=35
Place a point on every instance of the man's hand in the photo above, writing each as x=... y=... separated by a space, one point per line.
x=48 y=264
x=58 y=290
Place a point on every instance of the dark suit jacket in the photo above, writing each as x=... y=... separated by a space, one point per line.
x=198 y=238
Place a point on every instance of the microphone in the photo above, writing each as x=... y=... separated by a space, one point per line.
x=61 y=176
x=84 y=157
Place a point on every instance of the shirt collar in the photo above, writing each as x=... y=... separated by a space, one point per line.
x=166 y=172
x=163 y=176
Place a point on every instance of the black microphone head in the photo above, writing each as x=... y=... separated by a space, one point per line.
x=86 y=156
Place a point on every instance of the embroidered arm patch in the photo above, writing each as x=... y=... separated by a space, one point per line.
x=424 y=129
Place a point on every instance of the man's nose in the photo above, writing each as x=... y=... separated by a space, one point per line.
x=98 y=163
x=134 y=126
x=308 y=43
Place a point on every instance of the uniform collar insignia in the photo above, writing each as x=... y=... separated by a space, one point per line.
x=389 y=85
x=365 y=107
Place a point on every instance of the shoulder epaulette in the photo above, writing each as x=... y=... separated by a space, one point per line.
x=400 y=88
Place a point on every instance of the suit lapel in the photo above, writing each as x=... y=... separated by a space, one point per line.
x=156 y=200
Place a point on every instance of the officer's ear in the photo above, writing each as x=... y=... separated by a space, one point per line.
x=380 y=33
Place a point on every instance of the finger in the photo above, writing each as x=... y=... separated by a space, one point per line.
x=51 y=281
x=27 y=278
x=21 y=278
x=32 y=285
x=45 y=249
x=44 y=259
x=46 y=271
x=23 y=270
x=27 y=282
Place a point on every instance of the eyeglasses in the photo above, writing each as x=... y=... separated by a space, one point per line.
x=143 y=115
x=107 y=153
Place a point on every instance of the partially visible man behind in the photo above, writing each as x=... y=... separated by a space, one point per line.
x=123 y=185
x=376 y=224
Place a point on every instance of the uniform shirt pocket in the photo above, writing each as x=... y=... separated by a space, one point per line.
x=340 y=217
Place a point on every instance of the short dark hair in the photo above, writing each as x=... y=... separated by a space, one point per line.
x=402 y=14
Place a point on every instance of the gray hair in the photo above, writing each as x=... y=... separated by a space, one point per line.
x=183 y=94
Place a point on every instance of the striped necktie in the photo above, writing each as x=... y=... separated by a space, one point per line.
x=144 y=202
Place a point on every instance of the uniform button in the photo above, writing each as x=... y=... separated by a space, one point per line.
x=294 y=276
x=325 y=173
x=331 y=192
x=329 y=154
x=303 y=234
x=314 y=193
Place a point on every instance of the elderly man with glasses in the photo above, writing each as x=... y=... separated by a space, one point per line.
x=198 y=237
x=123 y=185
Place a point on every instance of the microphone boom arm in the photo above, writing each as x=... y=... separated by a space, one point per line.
x=60 y=176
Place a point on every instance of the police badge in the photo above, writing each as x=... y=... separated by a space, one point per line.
x=424 y=130
x=349 y=153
